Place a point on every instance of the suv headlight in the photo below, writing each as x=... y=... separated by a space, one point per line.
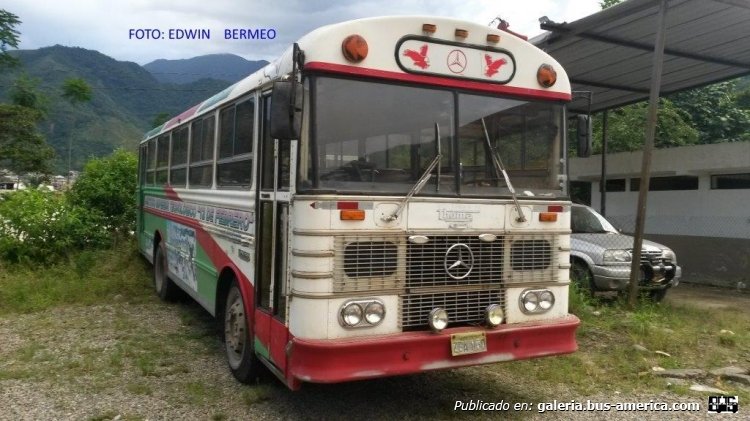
x=668 y=254
x=617 y=256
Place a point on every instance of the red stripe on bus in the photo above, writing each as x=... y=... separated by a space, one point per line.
x=439 y=81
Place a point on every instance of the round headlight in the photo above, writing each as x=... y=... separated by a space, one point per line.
x=438 y=319
x=546 y=300
x=374 y=313
x=530 y=301
x=351 y=314
x=494 y=315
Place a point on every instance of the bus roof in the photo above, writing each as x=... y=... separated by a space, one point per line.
x=416 y=49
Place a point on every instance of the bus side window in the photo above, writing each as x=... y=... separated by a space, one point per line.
x=234 y=168
x=151 y=165
x=202 y=153
x=162 y=159
x=178 y=158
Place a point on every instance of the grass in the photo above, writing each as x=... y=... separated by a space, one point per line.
x=607 y=360
x=89 y=277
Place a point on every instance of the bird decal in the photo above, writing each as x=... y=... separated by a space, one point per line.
x=493 y=66
x=419 y=58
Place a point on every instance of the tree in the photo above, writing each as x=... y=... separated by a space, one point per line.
x=76 y=91
x=108 y=185
x=717 y=112
x=22 y=148
x=8 y=38
x=24 y=93
x=625 y=128
x=160 y=119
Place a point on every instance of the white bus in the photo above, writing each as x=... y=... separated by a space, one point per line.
x=388 y=197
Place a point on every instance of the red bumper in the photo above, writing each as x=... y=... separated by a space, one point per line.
x=331 y=361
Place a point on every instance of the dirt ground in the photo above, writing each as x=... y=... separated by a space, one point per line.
x=708 y=297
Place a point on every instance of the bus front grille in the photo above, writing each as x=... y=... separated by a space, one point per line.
x=463 y=307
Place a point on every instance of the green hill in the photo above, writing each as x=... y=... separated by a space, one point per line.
x=126 y=97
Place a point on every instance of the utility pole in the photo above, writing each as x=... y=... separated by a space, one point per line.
x=648 y=146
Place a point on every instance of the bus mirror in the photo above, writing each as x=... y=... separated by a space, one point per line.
x=584 y=136
x=286 y=110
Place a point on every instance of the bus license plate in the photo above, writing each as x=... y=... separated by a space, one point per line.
x=468 y=343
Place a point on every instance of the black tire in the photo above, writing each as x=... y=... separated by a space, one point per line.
x=238 y=344
x=657 y=295
x=165 y=288
x=581 y=275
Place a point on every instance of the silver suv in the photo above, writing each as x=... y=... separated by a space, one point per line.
x=600 y=257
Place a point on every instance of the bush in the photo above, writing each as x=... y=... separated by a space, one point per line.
x=108 y=186
x=41 y=227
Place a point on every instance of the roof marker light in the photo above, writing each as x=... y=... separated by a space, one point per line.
x=462 y=33
x=546 y=75
x=493 y=38
x=429 y=28
x=354 y=48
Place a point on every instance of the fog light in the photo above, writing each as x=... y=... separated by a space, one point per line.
x=351 y=314
x=438 y=319
x=494 y=315
x=374 y=313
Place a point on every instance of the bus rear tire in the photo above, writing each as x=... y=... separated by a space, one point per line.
x=238 y=344
x=165 y=288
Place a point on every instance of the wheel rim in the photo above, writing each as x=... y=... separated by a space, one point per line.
x=235 y=329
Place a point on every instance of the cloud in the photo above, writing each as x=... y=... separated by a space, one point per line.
x=105 y=26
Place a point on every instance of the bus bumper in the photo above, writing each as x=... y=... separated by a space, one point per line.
x=331 y=361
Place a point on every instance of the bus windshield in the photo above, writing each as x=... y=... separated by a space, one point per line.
x=379 y=138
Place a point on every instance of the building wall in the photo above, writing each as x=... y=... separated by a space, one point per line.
x=709 y=229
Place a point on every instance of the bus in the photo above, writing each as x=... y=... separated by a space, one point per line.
x=387 y=197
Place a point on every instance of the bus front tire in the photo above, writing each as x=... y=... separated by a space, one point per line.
x=238 y=345
x=165 y=288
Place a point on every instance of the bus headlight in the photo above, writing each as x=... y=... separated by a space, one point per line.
x=361 y=313
x=438 y=319
x=374 y=312
x=351 y=314
x=494 y=315
x=534 y=301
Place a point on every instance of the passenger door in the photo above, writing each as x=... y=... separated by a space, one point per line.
x=271 y=329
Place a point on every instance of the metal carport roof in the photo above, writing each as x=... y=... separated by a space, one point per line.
x=610 y=53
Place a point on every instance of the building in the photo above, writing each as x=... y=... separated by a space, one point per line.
x=698 y=204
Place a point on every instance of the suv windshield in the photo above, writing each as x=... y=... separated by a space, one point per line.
x=379 y=138
x=585 y=220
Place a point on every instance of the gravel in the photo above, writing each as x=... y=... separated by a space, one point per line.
x=156 y=361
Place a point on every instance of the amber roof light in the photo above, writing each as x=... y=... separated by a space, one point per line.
x=546 y=75
x=354 y=48
x=429 y=28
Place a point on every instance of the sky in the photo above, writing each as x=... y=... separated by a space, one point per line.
x=106 y=26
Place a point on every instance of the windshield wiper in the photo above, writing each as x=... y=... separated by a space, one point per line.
x=500 y=168
x=422 y=180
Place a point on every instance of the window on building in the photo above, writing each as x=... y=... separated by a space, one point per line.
x=615 y=185
x=678 y=182
x=234 y=167
x=178 y=160
x=202 y=152
x=730 y=181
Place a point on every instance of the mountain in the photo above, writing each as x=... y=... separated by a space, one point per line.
x=126 y=98
x=228 y=67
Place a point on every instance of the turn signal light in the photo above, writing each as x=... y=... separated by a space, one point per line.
x=548 y=217
x=546 y=75
x=352 y=215
x=354 y=48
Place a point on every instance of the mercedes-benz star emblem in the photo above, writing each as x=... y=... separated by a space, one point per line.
x=459 y=261
x=456 y=61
